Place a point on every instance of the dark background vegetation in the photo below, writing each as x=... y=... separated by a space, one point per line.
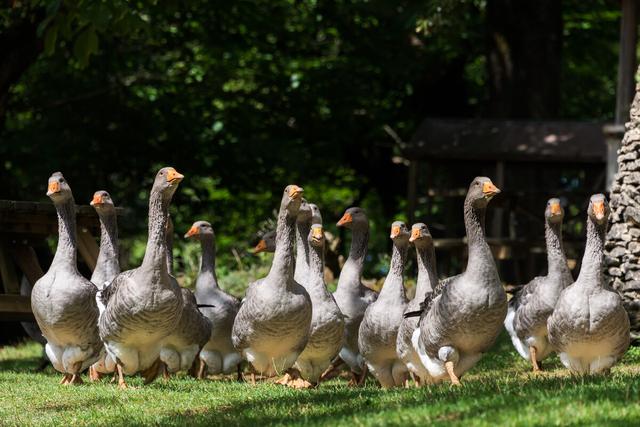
x=244 y=97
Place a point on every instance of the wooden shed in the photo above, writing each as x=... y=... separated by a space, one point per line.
x=530 y=161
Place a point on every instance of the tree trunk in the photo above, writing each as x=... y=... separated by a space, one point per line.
x=524 y=57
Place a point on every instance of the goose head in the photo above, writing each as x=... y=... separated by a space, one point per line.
x=102 y=202
x=420 y=234
x=292 y=199
x=554 y=213
x=481 y=191
x=598 y=209
x=316 y=236
x=200 y=230
x=58 y=189
x=316 y=216
x=354 y=217
x=267 y=243
x=399 y=232
x=167 y=180
x=304 y=213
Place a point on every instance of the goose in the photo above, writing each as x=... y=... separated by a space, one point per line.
x=303 y=225
x=351 y=295
x=466 y=318
x=267 y=243
x=144 y=305
x=63 y=301
x=218 y=356
x=379 y=328
x=530 y=308
x=180 y=349
x=272 y=325
x=589 y=327
x=107 y=267
x=327 y=323
x=426 y=283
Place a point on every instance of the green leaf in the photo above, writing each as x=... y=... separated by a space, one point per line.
x=85 y=45
x=50 y=37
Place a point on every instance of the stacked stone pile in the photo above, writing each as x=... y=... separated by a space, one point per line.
x=622 y=251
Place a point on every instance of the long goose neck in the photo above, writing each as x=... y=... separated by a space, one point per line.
x=208 y=260
x=156 y=252
x=480 y=260
x=283 y=257
x=169 y=252
x=427 y=278
x=556 y=259
x=302 y=250
x=316 y=267
x=353 y=266
x=394 y=283
x=108 y=257
x=66 y=252
x=593 y=259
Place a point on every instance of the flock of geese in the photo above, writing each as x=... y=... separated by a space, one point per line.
x=289 y=324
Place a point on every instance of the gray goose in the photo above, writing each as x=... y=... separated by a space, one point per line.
x=144 y=305
x=589 y=327
x=63 y=301
x=303 y=225
x=218 y=356
x=466 y=318
x=179 y=350
x=426 y=283
x=351 y=295
x=532 y=305
x=267 y=243
x=327 y=323
x=272 y=326
x=107 y=266
x=379 y=328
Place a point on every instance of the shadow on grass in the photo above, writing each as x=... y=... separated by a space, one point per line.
x=489 y=400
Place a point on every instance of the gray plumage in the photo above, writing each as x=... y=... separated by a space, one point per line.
x=327 y=323
x=379 y=328
x=351 y=295
x=589 y=326
x=144 y=305
x=426 y=284
x=107 y=264
x=218 y=354
x=466 y=318
x=530 y=308
x=303 y=225
x=272 y=326
x=63 y=301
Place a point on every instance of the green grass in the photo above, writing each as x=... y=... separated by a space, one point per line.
x=499 y=391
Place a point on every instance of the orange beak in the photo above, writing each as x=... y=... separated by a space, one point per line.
x=415 y=234
x=193 y=231
x=598 y=210
x=97 y=200
x=395 y=231
x=54 y=187
x=173 y=175
x=346 y=219
x=489 y=189
x=317 y=233
x=260 y=247
x=556 y=209
x=295 y=191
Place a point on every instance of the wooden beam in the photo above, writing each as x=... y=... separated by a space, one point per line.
x=15 y=307
x=27 y=260
x=7 y=269
x=626 y=59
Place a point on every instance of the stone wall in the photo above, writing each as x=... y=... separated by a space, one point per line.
x=622 y=251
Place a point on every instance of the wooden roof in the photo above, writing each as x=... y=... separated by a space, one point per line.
x=509 y=140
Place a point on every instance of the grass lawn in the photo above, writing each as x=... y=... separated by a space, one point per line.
x=499 y=391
